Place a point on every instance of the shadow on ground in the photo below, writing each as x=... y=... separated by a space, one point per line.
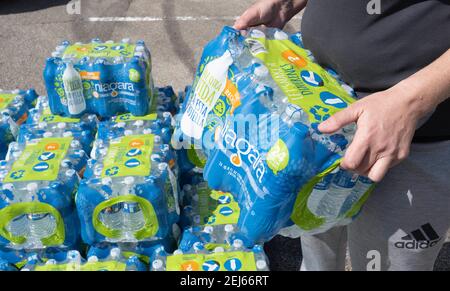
x=22 y=6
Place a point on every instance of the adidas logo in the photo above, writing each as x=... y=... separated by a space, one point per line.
x=422 y=238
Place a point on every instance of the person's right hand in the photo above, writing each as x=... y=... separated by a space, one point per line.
x=272 y=13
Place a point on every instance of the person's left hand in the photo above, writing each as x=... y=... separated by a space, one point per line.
x=386 y=122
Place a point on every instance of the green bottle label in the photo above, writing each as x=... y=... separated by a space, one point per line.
x=6 y=99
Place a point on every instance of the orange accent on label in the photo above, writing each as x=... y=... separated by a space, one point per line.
x=190 y=266
x=232 y=93
x=22 y=119
x=136 y=143
x=235 y=160
x=83 y=49
x=90 y=75
x=295 y=59
x=53 y=146
x=2 y=100
x=171 y=163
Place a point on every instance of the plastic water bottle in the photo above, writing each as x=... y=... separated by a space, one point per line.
x=339 y=190
x=33 y=226
x=74 y=261
x=133 y=218
x=73 y=87
x=260 y=258
x=292 y=114
x=361 y=187
x=319 y=191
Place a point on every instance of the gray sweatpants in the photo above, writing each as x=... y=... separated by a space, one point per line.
x=403 y=224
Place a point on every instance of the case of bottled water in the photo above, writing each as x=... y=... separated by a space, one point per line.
x=207 y=216
x=16 y=103
x=160 y=121
x=37 y=186
x=267 y=149
x=114 y=261
x=41 y=123
x=105 y=78
x=234 y=258
x=143 y=250
x=14 y=106
x=129 y=192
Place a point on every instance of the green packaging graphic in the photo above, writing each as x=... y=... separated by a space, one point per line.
x=103 y=50
x=226 y=261
x=5 y=100
x=39 y=161
x=130 y=156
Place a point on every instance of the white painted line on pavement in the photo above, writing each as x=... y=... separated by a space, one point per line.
x=156 y=19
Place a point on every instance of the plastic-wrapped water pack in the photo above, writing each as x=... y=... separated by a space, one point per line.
x=129 y=192
x=255 y=105
x=105 y=78
x=14 y=106
x=236 y=258
x=41 y=123
x=115 y=261
x=37 y=186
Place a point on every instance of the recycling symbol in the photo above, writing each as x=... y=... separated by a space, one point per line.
x=112 y=171
x=320 y=113
x=17 y=174
x=48 y=118
x=210 y=220
x=125 y=117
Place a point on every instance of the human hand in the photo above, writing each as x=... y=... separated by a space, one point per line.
x=386 y=122
x=272 y=13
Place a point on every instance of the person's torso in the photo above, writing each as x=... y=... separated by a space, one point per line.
x=373 y=52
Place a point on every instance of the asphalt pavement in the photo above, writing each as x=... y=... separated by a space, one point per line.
x=175 y=30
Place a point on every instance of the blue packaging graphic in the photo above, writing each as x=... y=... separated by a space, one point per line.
x=38 y=184
x=159 y=122
x=6 y=266
x=115 y=77
x=129 y=193
x=267 y=150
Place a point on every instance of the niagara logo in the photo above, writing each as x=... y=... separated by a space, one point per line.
x=115 y=86
x=245 y=153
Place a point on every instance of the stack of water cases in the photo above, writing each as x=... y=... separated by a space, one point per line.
x=105 y=78
x=37 y=186
x=253 y=112
x=14 y=106
x=129 y=197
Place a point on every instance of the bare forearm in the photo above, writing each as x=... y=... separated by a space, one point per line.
x=429 y=86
